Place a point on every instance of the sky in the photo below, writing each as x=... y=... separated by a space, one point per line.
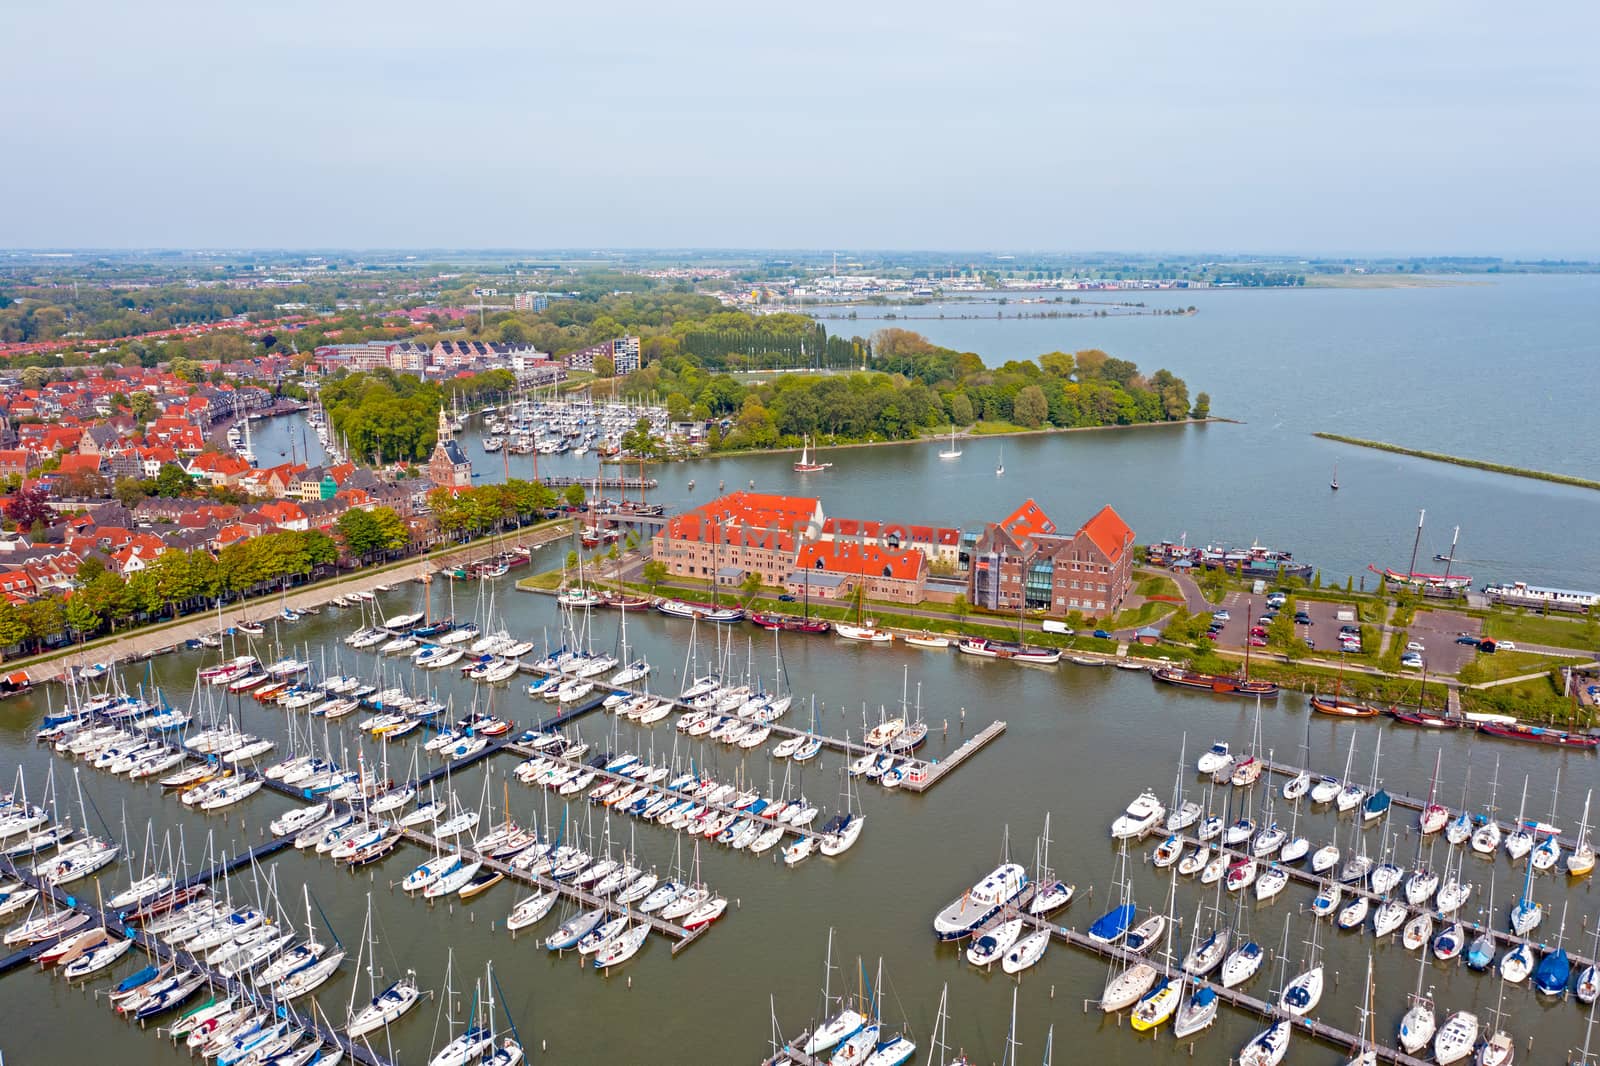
x=1414 y=127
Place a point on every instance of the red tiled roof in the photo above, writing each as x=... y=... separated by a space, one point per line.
x=746 y=517
x=843 y=557
x=1027 y=521
x=1108 y=532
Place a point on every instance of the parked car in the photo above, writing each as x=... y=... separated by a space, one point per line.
x=1415 y=645
x=1468 y=639
x=1258 y=642
x=1506 y=645
x=1302 y=618
x=1258 y=631
x=1102 y=634
x=1411 y=661
x=1220 y=616
x=1310 y=643
x=786 y=598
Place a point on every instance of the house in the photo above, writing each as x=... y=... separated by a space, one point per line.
x=756 y=532
x=17 y=461
x=1023 y=561
x=895 y=575
x=82 y=464
x=217 y=468
x=285 y=514
x=449 y=467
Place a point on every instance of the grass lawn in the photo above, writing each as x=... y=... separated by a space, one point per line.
x=1511 y=664
x=1541 y=629
x=1142 y=615
x=550 y=579
x=1536 y=700
x=982 y=428
x=1157 y=585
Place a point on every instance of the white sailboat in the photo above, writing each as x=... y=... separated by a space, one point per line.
x=952 y=452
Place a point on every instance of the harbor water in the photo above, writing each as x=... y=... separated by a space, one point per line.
x=1081 y=743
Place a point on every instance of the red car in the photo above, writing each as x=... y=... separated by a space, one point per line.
x=1258 y=642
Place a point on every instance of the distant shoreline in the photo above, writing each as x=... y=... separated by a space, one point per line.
x=965 y=435
x=1456 y=460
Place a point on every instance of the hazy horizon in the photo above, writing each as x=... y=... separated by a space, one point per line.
x=1317 y=130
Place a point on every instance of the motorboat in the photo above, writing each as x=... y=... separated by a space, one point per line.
x=1139 y=817
x=1456 y=1038
x=981 y=902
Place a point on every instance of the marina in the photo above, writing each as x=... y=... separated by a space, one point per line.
x=894 y=824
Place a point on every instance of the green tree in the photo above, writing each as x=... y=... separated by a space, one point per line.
x=1280 y=632
x=82 y=615
x=361 y=533
x=960 y=406
x=90 y=569
x=44 y=618
x=655 y=572
x=143 y=406
x=605 y=366
x=130 y=491
x=750 y=586
x=677 y=407
x=575 y=496
x=1030 y=407
x=13 y=627
x=172 y=482
x=1202 y=406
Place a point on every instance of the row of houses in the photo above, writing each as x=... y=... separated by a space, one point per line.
x=1022 y=562
x=445 y=357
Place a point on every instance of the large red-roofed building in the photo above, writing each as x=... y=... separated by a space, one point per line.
x=758 y=533
x=1024 y=562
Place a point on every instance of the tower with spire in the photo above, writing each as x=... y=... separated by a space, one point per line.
x=446 y=428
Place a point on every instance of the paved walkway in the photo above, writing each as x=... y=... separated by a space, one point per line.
x=143 y=641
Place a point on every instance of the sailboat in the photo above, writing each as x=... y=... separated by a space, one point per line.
x=1334 y=484
x=840 y=1025
x=806 y=465
x=1367 y=1048
x=1580 y=860
x=1000 y=467
x=952 y=452
x=1417 y=1026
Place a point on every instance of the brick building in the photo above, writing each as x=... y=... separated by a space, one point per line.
x=755 y=532
x=1024 y=561
x=893 y=575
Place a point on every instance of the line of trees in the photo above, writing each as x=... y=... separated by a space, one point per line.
x=915 y=385
x=485 y=508
x=178 y=582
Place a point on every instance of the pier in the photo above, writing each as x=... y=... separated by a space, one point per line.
x=607 y=481
x=159 y=950
x=662 y=790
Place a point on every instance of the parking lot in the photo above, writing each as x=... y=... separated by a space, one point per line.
x=1325 y=622
x=1243 y=609
x=1436 y=631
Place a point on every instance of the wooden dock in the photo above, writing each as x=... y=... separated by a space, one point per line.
x=159 y=949
x=681 y=937
x=936 y=769
x=659 y=790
